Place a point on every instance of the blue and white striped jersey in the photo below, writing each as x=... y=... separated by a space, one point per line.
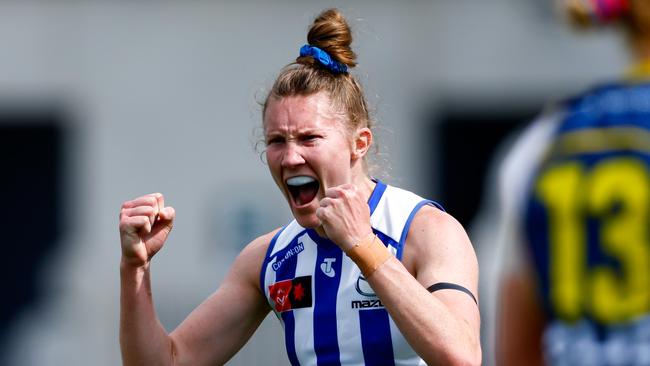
x=329 y=313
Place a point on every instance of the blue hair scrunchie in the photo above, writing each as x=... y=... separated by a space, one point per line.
x=323 y=58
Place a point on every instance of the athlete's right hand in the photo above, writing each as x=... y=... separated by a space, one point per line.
x=145 y=223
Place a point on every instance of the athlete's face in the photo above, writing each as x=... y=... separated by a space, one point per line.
x=308 y=149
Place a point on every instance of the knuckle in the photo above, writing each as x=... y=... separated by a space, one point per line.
x=125 y=226
x=125 y=213
x=156 y=196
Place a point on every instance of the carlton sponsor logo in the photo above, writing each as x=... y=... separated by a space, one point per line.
x=364 y=304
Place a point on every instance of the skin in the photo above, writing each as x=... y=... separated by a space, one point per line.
x=638 y=30
x=521 y=319
x=521 y=322
x=305 y=136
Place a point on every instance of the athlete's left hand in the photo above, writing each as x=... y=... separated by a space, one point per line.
x=344 y=215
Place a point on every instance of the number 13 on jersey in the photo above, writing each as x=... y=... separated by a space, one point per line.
x=604 y=205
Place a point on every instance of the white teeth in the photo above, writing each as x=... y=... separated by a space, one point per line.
x=300 y=180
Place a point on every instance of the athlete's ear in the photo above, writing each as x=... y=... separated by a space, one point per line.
x=362 y=142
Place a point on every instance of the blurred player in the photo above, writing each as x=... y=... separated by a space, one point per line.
x=576 y=203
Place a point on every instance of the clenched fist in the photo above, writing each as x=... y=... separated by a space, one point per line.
x=344 y=215
x=145 y=223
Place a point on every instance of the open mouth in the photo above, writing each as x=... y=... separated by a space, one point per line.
x=303 y=189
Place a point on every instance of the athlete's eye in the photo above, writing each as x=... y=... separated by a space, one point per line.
x=310 y=138
x=274 y=140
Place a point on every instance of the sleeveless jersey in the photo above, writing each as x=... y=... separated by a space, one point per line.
x=329 y=312
x=587 y=221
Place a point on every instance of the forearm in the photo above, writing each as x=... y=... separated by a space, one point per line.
x=143 y=340
x=520 y=322
x=438 y=335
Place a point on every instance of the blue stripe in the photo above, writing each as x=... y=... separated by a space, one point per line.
x=380 y=187
x=608 y=106
x=438 y=206
x=267 y=258
x=405 y=231
x=375 y=338
x=288 y=272
x=326 y=342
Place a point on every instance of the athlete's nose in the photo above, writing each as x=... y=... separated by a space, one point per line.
x=292 y=156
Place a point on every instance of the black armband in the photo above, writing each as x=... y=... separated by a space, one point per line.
x=451 y=286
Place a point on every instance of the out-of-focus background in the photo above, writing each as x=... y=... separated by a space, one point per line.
x=104 y=101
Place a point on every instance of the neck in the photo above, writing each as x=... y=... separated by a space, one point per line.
x=365 y=185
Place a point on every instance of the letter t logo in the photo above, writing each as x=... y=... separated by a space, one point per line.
x=326 y=267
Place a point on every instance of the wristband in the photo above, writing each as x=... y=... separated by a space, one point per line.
x=369 y=254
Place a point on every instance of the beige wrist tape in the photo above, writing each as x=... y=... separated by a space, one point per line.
x=369 y=254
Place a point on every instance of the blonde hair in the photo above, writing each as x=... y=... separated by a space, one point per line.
x=306 y=76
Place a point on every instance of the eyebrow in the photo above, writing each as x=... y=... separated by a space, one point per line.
x=307 y=131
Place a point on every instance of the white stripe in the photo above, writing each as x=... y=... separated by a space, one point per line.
x=348 y=326
x=393 y=211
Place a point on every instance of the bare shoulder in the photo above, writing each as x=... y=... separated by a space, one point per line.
x=259 y=245
x=250 y=259
x=438 y=250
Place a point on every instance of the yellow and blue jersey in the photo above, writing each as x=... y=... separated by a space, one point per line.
x=587 y=225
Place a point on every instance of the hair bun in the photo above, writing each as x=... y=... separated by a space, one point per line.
x=331 y=33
